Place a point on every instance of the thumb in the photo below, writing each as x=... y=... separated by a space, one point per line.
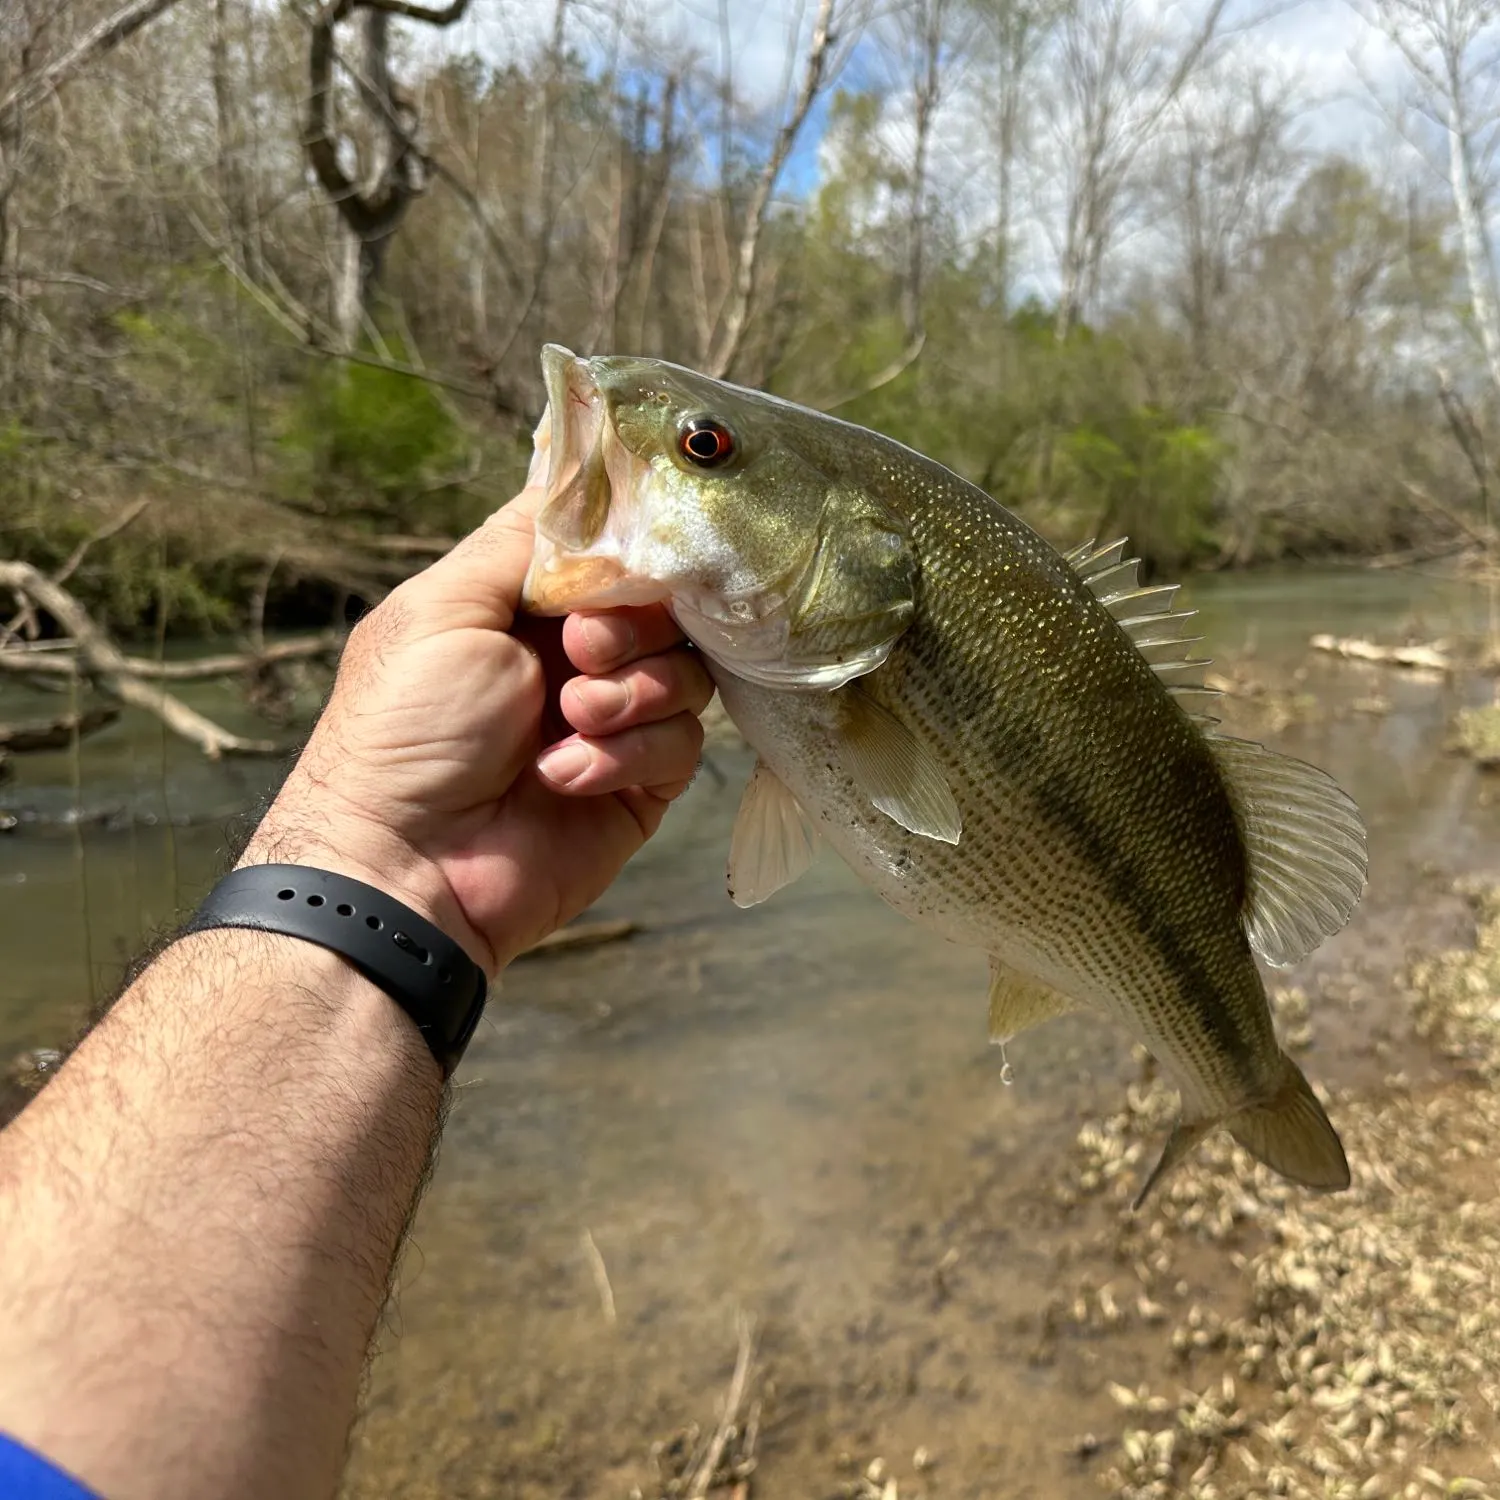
x=477 y=585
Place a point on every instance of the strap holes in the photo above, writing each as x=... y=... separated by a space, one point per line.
x=285 y=895
x=445 y=975
x=344 y=909
x=315 y=900
x=374 y=923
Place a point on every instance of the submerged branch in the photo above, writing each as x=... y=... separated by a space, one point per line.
x=582 y=935
x=54 y=734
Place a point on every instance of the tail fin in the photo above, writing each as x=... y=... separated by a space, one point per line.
x=1291 y=1134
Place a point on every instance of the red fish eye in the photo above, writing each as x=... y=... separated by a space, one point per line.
x=705 y=442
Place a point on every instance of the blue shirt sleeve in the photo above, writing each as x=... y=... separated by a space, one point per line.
x=25 y=1475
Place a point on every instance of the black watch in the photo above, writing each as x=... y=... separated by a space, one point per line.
x=418 y=965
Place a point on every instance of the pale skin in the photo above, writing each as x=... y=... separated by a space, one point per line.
x=201 y=1212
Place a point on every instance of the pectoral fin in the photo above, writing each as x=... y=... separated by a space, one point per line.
x=1017 y=1001
x=773 y=840
x=894 y=770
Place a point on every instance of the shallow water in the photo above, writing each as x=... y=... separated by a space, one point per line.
x=790 y=1113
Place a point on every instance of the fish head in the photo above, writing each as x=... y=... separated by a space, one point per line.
x=729 y=506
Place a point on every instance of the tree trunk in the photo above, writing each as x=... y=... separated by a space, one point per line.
x=1479 y=262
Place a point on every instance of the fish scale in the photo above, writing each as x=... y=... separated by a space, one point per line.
x=995 y=737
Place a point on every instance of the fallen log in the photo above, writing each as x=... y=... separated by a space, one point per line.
x=54 y=734
x=102 y=663
x=46 y=659
x=1420 y=658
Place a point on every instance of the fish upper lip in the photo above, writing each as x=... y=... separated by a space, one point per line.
x=572 y=435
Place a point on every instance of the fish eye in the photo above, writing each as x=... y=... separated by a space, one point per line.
x=705 y=442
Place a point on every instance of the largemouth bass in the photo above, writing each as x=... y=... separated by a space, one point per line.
x=1008 y=744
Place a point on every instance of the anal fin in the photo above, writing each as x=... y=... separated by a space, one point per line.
x=1018 y=1002
x=773 y=840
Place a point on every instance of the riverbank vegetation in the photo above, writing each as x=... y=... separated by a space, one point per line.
x=273 y=278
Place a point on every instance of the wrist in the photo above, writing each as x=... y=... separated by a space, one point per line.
x=347 y=843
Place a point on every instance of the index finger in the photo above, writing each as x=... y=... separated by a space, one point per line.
x=598 y=643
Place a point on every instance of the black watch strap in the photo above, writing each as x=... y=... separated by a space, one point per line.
x=418 y=965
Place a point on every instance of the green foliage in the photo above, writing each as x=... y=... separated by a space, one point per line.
x=1146 y=476
x=367 y=442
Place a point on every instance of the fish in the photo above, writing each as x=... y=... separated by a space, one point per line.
x=1011 y=745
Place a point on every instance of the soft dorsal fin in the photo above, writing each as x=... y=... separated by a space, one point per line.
x=773 y=840
x=1304 y=848
x=1147 y=616
x=1017 y=1001
x=894 y=769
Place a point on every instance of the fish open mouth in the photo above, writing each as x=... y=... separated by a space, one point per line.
x=590 y=478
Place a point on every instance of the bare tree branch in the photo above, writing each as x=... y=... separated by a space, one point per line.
x=115 y=28
x=815 y=75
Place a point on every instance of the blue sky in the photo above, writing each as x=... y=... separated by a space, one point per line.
x=1330 y=52
x=1325 y=44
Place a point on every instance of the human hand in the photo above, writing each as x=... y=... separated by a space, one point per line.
x=464 y=768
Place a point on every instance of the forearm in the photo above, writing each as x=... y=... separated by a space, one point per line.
x=199 y=1217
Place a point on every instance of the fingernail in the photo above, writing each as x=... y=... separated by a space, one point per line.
x=605 y=698
x=608 y=636
x=564 y=764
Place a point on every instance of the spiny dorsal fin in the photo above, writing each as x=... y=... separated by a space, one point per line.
x=894 y=769
x=1017 y=1001
x=1304 y=848
x=1086 y=559
x=1146 y=615
x=773 y=840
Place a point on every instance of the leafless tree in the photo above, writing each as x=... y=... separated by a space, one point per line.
x=1452 y=50
x=1224 y=173
x=835 y=28
x=118 y=25
x=1014 y=34
x=1118 y=70
x=390 y=168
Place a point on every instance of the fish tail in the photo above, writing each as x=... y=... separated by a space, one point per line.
x=1292 y=1135
x=1289 y=1132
